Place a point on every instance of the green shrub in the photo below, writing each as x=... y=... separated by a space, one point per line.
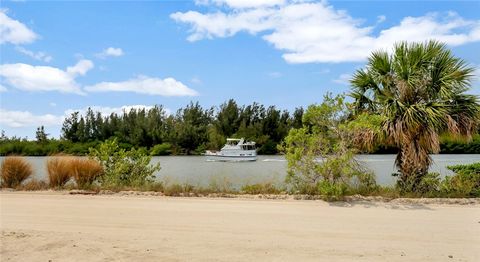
x=429 y=185
x=14 y=171
x=219 y=184
x=454 y=145
x=123 y=168
x=269 y=148
x=331 y=190
x=320 y=156
x=469 y=169
x=465 y=183
x=161 y=149
x=178 y=189
x=260 y=188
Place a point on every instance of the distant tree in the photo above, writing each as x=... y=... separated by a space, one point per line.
x=41 y=135
x=70 y=127
x=192 y=125
x=297 y=117
x=227 y=119
x=3 y=137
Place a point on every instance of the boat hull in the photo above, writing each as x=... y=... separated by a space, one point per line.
x=227 y=158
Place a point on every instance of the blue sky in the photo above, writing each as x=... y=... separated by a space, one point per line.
x=58 y=57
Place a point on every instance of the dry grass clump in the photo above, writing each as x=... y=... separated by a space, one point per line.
x=33 y=185
x=260 y=188
x=178 y=189
x=85 y=171
x=60 y=170
x=14 y=171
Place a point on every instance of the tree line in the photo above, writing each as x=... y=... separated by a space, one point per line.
x=190 y=130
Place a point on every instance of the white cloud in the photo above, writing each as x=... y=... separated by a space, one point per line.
x=196 y=80
x=14 y=32
x=275 y=74
x=19 y=119
x=317 y=32
x=145 y=85
x=343 y=79
x=242 y=3
x=381 y=19
x=44 y=78
x=81 y=68
x=41 y=56
x=3 y=89
x=111 y=51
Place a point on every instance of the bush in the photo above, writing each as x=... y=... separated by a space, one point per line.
x=161 y=149
x=335 y=174
x=255 y=189
x=454 y=145
x=331 y=190
x=430 y=184
x=269 y=148
x=320 y=156
x=86 y=171
x=33 y=185
x=178 y=189
x=14 y=171
x=465 y=183
x=60 y=170
x=123 y=168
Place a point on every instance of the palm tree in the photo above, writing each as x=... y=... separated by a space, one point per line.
x=419 y=90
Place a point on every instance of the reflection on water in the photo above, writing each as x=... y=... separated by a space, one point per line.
x=197 y=171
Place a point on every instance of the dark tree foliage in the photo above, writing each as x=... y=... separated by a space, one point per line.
x=191 y=130
x=41 y=135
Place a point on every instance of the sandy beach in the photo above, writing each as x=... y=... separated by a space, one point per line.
x=61 y=227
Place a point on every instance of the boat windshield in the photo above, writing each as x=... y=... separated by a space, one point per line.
x=248 y=147
x=232 y=142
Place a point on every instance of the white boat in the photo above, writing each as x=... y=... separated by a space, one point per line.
x=234 y=150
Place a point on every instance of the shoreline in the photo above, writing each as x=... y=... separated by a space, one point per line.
x=285 y=197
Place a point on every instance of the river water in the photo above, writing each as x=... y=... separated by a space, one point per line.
x=196 y=170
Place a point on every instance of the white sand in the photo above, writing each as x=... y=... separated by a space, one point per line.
x=59 y=227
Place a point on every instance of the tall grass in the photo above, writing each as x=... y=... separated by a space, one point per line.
x=14 y=171
x=60 y=170
x=260 y=188
x=85 y=171
x=33 y=185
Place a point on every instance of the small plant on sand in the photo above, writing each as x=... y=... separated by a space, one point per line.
x=178 y=189
x=86 y=171
x=219 y=184
x=260 y=188
x=60 y=170
x=14 y=171
x=123 y=168
x=33 y=185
